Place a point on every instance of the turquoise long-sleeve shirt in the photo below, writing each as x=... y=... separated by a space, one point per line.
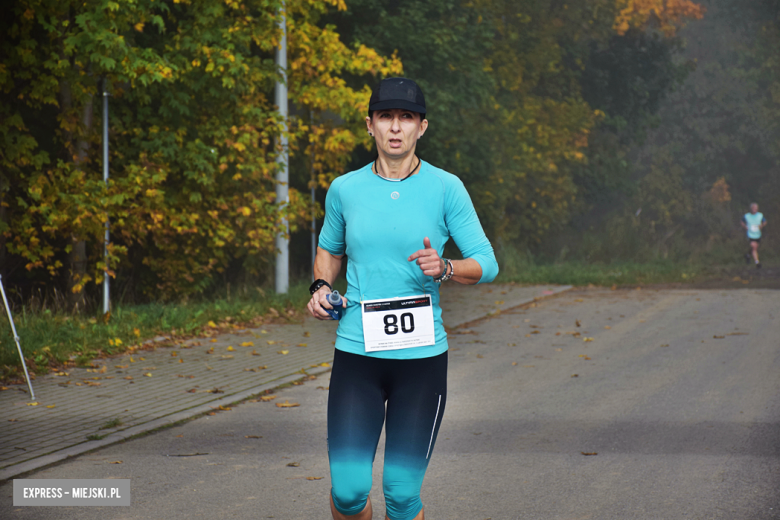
x=378 y=223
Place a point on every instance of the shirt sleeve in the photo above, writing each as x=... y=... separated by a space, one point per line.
x=464 y=227
x=332 y=236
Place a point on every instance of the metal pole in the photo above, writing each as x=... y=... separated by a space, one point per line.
x=106 y=298
x=282 y=176
x=16 y=339
x=313 y=200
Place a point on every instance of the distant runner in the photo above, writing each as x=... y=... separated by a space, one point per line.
x=753 y=223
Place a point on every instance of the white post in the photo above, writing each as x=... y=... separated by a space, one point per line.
x=282 y=176
x=106 y=298
x=16 y=339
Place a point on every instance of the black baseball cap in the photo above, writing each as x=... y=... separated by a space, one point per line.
x=400 y=93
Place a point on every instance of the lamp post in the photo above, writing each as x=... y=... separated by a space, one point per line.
x=106 y=298
x=282 y=175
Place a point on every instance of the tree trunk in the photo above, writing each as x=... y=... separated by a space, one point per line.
x=77 y=259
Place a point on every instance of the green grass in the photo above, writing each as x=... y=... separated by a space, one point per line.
x=53 y=338
x=618 y=273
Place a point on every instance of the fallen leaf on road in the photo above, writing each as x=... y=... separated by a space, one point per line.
x=263 y=331
x=480 y=356
x=324 y=364
x=287 y=404
x=192 y=390
x=307 y=334
x=247 y=344
x=718 y=337
x=174 y=354
x=528 y=366
x=116 y=462
x=577 y=323
x=575 y=375
x=121 y=366
x=215 y=391
x=587 y=339
x=303 y=344
x=536 y=332
x=92 y=383
x=579 y=300
x=267 y=397
x=583 y=356
x=253 y=436
x=255 y=353
x=607 y=327
x=51 y=406
x=148 y=374
x=557 y=333
x=514 y=363
x=212 y=324
x=283 y=352
x=314 y=478
x=499 y=302
x=214 y=340
x=181 y=360
x=179 y=436
x=665 y=345
x=293 y=464
x=13 y=420
x=271 y=342
x=589 y=453
x=224 y=408
x=210 y=351
x=230 y=348
x=227 y=356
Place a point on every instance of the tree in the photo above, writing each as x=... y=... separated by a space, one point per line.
x=192 y=137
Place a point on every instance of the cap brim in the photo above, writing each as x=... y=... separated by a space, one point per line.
x=397 y=103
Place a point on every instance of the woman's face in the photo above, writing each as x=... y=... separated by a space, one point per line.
x=396 y=131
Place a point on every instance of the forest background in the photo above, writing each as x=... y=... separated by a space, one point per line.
x=608 y=133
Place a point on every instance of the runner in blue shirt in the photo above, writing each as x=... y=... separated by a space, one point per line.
x=391 y=219
x=753 y=223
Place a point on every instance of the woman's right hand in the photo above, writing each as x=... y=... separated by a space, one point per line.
x=319 y=302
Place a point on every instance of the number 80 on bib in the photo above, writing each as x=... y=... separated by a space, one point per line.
x=397 y=323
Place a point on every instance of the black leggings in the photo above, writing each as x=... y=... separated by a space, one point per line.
x=415 y=391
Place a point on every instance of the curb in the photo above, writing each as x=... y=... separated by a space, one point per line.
x=190 y=413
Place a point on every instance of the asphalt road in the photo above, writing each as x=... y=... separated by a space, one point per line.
x=675 y=400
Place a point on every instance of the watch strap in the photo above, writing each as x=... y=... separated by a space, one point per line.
x=318 y=283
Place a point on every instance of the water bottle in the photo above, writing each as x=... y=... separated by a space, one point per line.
x=335 y=300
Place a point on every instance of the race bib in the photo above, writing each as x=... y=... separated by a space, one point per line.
x=754 y=227
x=396 y=323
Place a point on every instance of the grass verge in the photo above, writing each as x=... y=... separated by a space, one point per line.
x=51 y=339
x=619 y=273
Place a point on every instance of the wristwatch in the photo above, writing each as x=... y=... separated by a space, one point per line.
x=313 y=288
x=444 y=276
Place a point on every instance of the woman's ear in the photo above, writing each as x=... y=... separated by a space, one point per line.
x=368 y=126
x=423 y=128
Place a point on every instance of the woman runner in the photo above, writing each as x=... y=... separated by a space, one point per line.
x=391 y=218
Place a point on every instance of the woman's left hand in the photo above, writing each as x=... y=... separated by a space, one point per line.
x=429 y=260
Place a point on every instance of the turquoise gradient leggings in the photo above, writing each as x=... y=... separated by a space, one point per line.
x=415 y=391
